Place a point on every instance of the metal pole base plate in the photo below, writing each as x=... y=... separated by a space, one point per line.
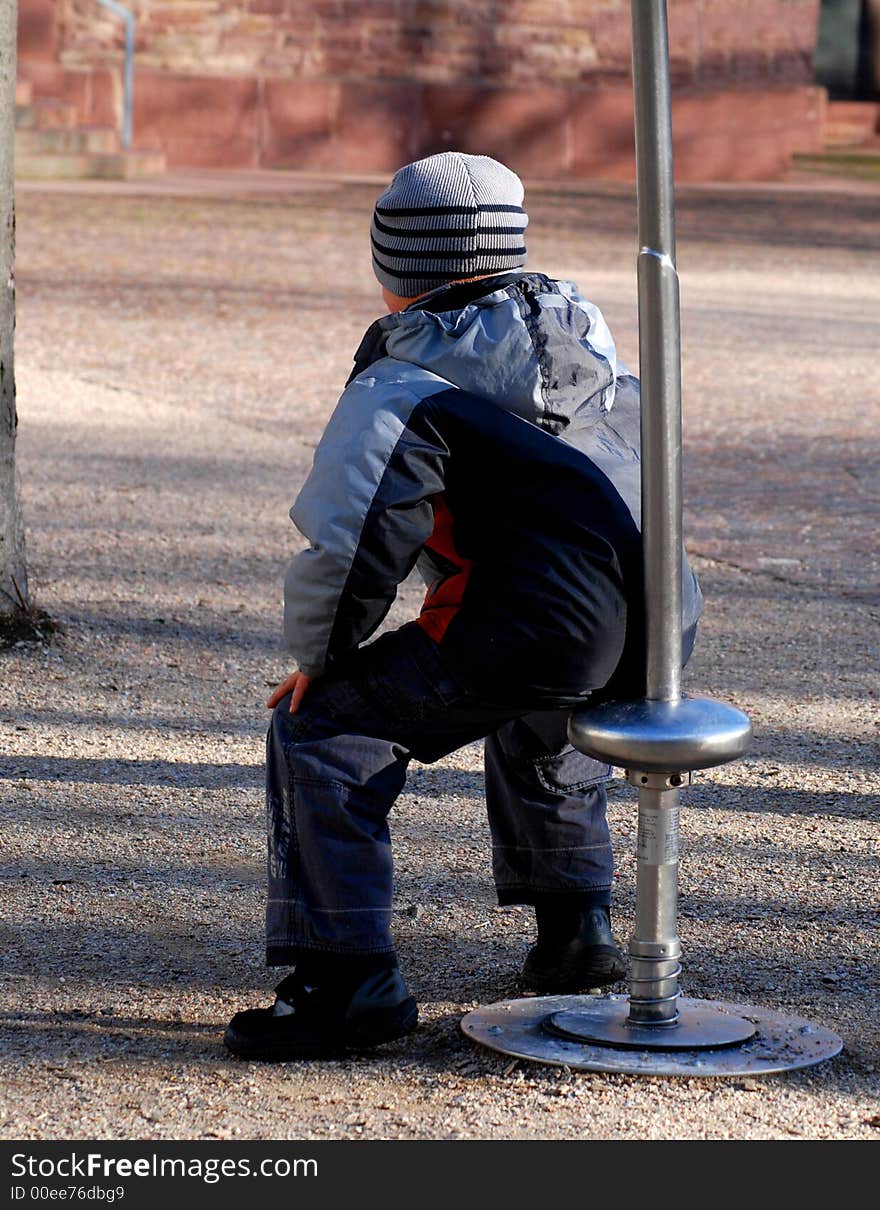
x=699 y=1027
x=777 y=1042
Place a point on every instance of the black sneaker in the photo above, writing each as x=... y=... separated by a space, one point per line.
x=315 y=1022
x=575 y=952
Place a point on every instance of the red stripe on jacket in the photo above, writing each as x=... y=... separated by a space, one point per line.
x=444 y=597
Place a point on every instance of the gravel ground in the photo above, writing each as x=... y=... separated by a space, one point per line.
x=179 y=347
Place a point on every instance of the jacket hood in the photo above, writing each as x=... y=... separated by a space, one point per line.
x=530 y=344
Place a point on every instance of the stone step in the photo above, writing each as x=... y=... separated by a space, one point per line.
x=25 y=117
x=112 y=166
x=54 y=115
x=850 y=122
x=44 y=113
x=81 y=138
x=859 y=161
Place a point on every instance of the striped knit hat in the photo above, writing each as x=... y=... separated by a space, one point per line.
x=447 y=217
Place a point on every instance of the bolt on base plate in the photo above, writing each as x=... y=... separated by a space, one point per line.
x=530 y=1029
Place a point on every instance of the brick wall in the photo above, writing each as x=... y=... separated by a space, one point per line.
x=366 y=84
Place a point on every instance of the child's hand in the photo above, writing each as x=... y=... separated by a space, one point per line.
x=296 y=685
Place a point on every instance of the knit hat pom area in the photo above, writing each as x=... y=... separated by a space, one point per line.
x=448 y=217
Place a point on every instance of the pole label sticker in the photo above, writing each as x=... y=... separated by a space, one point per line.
x=658 y=835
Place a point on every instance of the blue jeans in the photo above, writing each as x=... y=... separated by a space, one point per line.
x=335 y=768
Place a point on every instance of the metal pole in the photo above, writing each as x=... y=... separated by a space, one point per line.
x=660 y=740
x=128 y=17
x=659 y=351
x=128 y=88
x=654 y=948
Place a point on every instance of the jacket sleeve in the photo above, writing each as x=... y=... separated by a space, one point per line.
x=365 y=510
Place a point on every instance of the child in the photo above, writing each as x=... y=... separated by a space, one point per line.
x=488 y=435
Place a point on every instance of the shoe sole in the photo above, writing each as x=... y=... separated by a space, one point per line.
x=371 y=1030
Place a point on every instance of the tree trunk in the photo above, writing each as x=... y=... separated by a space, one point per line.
x=13 y=572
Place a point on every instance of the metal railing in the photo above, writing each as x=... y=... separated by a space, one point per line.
x=128 y=17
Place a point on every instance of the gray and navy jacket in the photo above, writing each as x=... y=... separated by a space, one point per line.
x=488 y=435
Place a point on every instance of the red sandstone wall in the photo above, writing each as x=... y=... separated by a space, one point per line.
x=358 y=85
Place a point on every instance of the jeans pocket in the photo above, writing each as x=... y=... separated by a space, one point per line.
x=570 y=771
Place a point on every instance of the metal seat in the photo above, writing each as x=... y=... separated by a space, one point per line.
x=662 y=737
